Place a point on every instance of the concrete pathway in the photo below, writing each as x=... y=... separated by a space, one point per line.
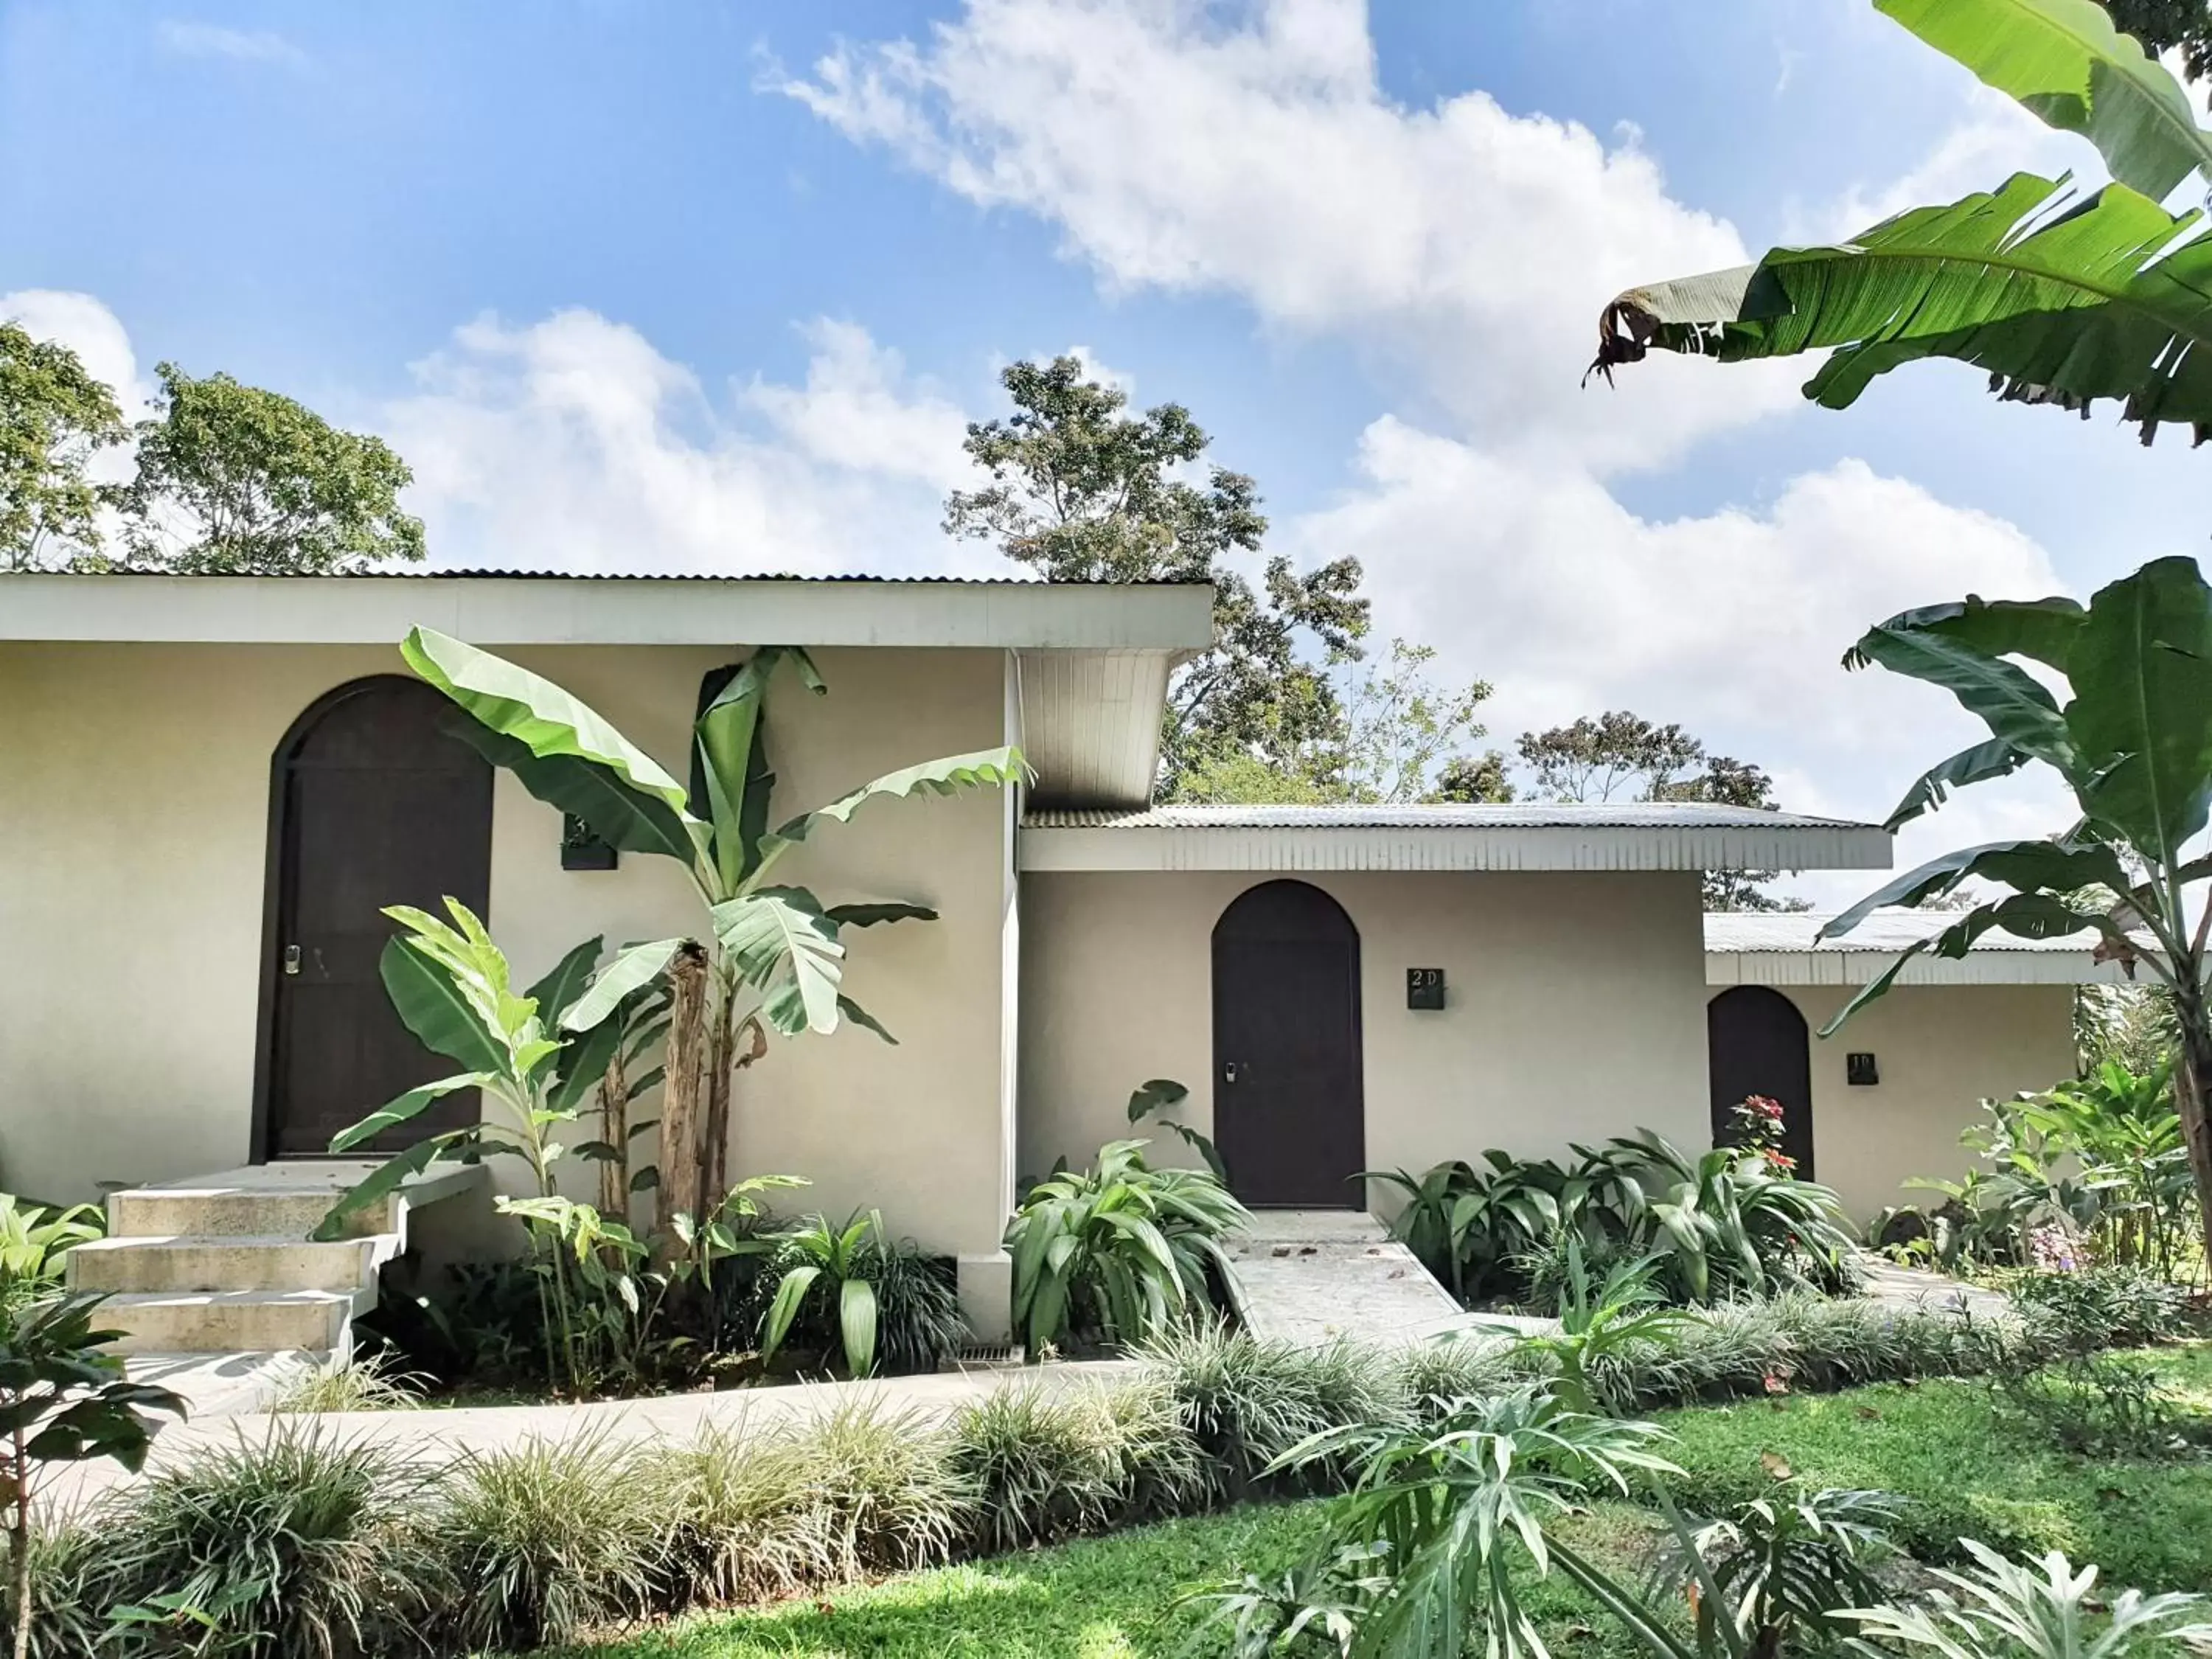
x=1311 y=1277
x=435 y=1435
x=1886 y=1281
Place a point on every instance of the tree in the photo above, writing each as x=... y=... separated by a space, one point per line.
x=233 y=480
x=1622 y=754
x=2062 y=300
x=2164 y=25
x=1082 y=492
x=2133 y=743
x=54 y=418
x=1394 y=736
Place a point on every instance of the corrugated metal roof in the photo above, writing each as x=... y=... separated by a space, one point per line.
x=1517 y=815
x=1737 y=933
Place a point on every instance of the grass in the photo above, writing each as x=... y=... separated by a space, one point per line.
x=1105 y=1598
x=1970 y=1469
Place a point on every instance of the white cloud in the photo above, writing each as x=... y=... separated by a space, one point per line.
x=1732 y=623
x=852 y=412
x=573 y=444
x=1472 y=248
x=238 y=45
x=1993 y=139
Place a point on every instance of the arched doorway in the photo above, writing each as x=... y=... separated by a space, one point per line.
x=1288 y=1110
x=373 y=801
x=1756 y=1044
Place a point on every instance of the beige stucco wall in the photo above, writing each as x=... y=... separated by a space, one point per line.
x=1575 y=1007
x=1940 y=1050
x=134 y=802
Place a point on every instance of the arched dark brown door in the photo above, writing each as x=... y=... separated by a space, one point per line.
x=373 y=801
x=1756 y=1044
x=1288 y=1111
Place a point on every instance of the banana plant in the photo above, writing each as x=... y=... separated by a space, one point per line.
x=2061 y=300
x=451 y=987
x=770 y=957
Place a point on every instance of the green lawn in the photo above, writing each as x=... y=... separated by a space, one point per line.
x=1965 y=1466
x=1106 y=1598
x=1968 y=1469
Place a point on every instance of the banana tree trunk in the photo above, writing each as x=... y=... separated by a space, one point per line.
x=614 y=1129
x=714 y=1153
x=2192 y=1093
x=681 y=1105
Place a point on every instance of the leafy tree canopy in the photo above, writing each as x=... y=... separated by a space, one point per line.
x=1621 y=756
x=236 y=480
x=2164 y=25
x=1081 y=491
x=54 y=417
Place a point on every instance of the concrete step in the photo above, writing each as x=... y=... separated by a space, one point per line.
x=215 y=1322
x=287 y=1200
x=244 y=1262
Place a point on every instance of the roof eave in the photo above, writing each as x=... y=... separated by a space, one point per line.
x=1461 y=847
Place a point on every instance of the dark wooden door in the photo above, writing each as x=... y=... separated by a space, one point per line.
x=1288 y=1112
x=375 y=803
x=1756 y=1044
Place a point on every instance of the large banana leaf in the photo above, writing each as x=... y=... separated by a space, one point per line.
x=2026 y=915
x=2042 y=630
x=946 y=776
x=565 y=981
x=733 y=759
x=2024 y=865
x=2111 y=297
x=2064 y=61
x=2015 y=707
x=785 y=946
x=2142 y=713
x=563 y=751
x=432 y=1005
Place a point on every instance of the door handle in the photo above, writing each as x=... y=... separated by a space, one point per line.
x=292 y=960
x=1229 y=1070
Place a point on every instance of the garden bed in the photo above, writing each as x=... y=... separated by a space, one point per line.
x=1964 y=1463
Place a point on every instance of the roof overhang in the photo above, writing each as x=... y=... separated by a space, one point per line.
x=1446 y=839
x=1786 y=948
x=493 y=610
x=1854 y=968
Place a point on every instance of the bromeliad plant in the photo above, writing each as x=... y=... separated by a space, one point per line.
x=770 y=957
x=1120 y=1251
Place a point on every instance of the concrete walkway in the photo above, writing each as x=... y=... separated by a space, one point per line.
x=1312 y=1277
x=1886 y=1281
x=433 y=1435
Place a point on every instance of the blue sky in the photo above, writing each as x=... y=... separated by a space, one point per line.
x=693 y=287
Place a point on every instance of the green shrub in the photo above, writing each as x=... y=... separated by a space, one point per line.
x=1438 y=1374
x=1162 y=1472
x=1118 y=1254
x=299 y=1546
x=1248 y=1401
x=747 y=1525
x=552 y=1537
x=1045 y=1464
x=885 y=1495
x=360 y=1382
x=69 y=1592
x=2100 y=1307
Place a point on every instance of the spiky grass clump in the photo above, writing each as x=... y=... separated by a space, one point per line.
x=1162 y=1472
x=1045 y=1464
x=886 y=1496
x=1459 y=1365
x=300 y=1545
x=919 y=1324
x=1248 y=1401
x=749 y=1527
x=553 y=1538
x=360 y=1382
x=69 y=1592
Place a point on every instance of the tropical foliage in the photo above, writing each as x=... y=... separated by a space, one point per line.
x=770 y=957
x=64 y=1398
x=2132 y=741
x=1119 y=1252
x=834 y=1260
x=34 y=1242
x=1728 y=1222
x=2062 y=299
